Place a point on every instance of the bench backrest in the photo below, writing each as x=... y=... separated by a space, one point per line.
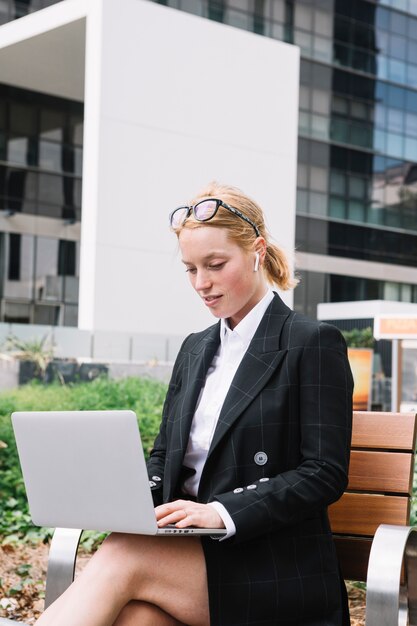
x=380 y=485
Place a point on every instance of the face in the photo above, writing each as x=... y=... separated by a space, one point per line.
x=221 y=272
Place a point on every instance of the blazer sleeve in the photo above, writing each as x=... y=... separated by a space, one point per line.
x=325 y=388
x=156 y=461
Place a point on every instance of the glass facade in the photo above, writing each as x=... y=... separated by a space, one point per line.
x=13 y=9
x=357 y=158
x=41 y=144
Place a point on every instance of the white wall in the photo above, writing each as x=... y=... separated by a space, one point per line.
x=173 y=101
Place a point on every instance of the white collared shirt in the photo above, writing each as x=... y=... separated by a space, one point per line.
x=233 y=345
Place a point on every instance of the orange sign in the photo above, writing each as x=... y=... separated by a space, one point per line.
x=395 y=327
x=360 y=360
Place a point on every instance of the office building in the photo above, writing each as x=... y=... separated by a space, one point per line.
x=356 y=223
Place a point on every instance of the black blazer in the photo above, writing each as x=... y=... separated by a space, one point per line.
x=278 y=458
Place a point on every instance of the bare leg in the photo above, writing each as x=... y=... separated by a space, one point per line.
x=166 y=572
x=141 y=613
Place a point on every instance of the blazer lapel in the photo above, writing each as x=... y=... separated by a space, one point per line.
x=199 y=360
x=261 y=359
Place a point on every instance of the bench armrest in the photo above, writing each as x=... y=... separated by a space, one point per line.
x=61 y=562
x=393 y=553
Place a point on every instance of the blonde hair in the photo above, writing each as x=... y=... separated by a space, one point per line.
x=275 y=264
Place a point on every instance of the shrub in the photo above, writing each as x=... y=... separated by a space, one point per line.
x=144 y=396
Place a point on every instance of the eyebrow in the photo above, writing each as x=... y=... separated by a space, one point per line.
x=209 y=257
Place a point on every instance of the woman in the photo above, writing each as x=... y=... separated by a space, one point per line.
x=254 y=438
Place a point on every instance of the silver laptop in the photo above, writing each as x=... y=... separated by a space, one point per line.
x=86 y=469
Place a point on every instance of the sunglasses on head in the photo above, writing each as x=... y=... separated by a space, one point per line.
x=204 y=211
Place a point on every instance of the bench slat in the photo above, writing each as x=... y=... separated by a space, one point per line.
x=386 y=431
x=361 y=514
x=353 y=553
x=381 y=471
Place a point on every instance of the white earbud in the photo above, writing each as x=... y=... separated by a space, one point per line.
x=255 y=269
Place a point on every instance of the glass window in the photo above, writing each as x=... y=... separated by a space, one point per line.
x=321 y=101
x=71 y=313
x=410 y=101
x=340 y=130
x=382 y=67
x=76 y=130
x=375 y=215
x=361 y=135
x=304 y=101
x=359 y=109
x=48 y=284
x=303 y=16
x=356 y=211
x=410 y=149
x=406 y=293
x=382 y=18
x=398 y=23
x=382 y=42
x=337 y=208
x=379 y=141
x=22 y=119
x=232 y=17
x=412 y=51
x=322 y=48
x=302 y=175
x=50 y=156
x=66 y=258
x=22 y=253
x=380 y=113
x=51 y=189
x=395 y=145
x=357 y=187
x=337 y=183
x=193 y=6
x=397 y=71
x=320 y=126
x=278 y=10
x=304 y=122
x=318 y=203
x=411 y=22
x=398 y=47
x=342 y=55
x=2 y=114
x=302 y=201
x=277 y=31
x=391 y=291
x=305 y=41
x=340 y=105
x=318 y=179
x=52 y=124
x=396 y=96
x=395 y=120
x=323 y=22
x=17 y=150
x=412 y=75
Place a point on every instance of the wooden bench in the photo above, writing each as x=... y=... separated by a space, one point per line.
x=370 y=522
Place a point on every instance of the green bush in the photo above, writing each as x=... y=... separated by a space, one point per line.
x=144 y=396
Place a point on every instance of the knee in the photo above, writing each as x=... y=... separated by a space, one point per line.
x=121 y=557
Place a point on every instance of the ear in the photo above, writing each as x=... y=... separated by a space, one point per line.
x=259 y=247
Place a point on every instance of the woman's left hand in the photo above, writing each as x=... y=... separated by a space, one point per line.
x=185 y=513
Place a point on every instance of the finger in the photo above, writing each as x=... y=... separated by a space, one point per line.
x=172 y=518
x=170 y=507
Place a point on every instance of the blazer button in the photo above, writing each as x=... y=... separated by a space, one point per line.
x=251 y=487
x=261 y=458
x=152 y=484
x=238 y=490
x=156 y=478
x=263 y=480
